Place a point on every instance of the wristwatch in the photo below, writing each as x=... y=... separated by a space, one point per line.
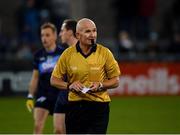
x=100 y=86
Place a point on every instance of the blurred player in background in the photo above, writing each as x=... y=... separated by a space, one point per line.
x=90 y=69
x=39 y=87
x=67 y=36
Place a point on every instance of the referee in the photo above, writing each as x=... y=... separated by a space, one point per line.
x=90 y=69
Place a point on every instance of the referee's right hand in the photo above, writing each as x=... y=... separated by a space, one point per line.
x=77 y=86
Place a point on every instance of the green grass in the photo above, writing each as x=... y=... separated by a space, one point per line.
x=145 y=115
x=128 y=115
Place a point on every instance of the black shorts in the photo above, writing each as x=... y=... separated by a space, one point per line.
x=85 y=117
x=44 y=102
x=61 y=105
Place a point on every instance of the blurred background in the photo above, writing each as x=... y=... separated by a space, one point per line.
x=144 y=36
x=133 y=30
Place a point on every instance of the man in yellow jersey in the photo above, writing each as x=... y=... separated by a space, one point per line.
x=90 y=69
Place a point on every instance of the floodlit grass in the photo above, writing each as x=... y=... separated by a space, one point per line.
x=145 y=115
x=128 y=115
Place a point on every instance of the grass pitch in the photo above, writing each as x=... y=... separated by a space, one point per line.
x=128 y=115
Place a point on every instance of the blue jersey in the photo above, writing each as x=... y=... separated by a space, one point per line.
x=44 y=62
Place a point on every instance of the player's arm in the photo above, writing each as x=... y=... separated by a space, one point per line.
x=110 y=83
x=32 y=90
x=34 y=82
x=59 y=72
x=58 y=83
x=106 y=84
x=112 y=72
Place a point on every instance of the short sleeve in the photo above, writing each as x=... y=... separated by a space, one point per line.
x=60 y=68
x=111 y=65
x=35 y=62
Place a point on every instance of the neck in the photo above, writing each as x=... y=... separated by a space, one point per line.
x=72 y=41
x=85 y=48
x=50 y=48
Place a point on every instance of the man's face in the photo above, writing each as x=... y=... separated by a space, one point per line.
x=48 y=37
x=64 y=34
x=87 y=33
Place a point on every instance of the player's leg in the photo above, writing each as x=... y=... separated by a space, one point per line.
x=40 y=116
x=60 y=110
x=59 y=123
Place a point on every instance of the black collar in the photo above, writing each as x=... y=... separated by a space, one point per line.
x=93 y=49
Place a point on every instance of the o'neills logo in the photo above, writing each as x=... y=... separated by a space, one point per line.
x=156 y=82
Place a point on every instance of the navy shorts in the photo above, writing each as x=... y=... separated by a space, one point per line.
x=44 y=102
x=61 y=105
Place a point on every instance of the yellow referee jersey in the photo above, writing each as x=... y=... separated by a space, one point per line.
x=97 y=67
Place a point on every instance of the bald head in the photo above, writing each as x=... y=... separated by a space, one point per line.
x=86 y=32
x=83 y=23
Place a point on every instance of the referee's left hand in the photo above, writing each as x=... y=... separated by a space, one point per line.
x=94 y=86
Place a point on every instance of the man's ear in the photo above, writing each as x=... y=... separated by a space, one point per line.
x=71 y=32
x=77 y=35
